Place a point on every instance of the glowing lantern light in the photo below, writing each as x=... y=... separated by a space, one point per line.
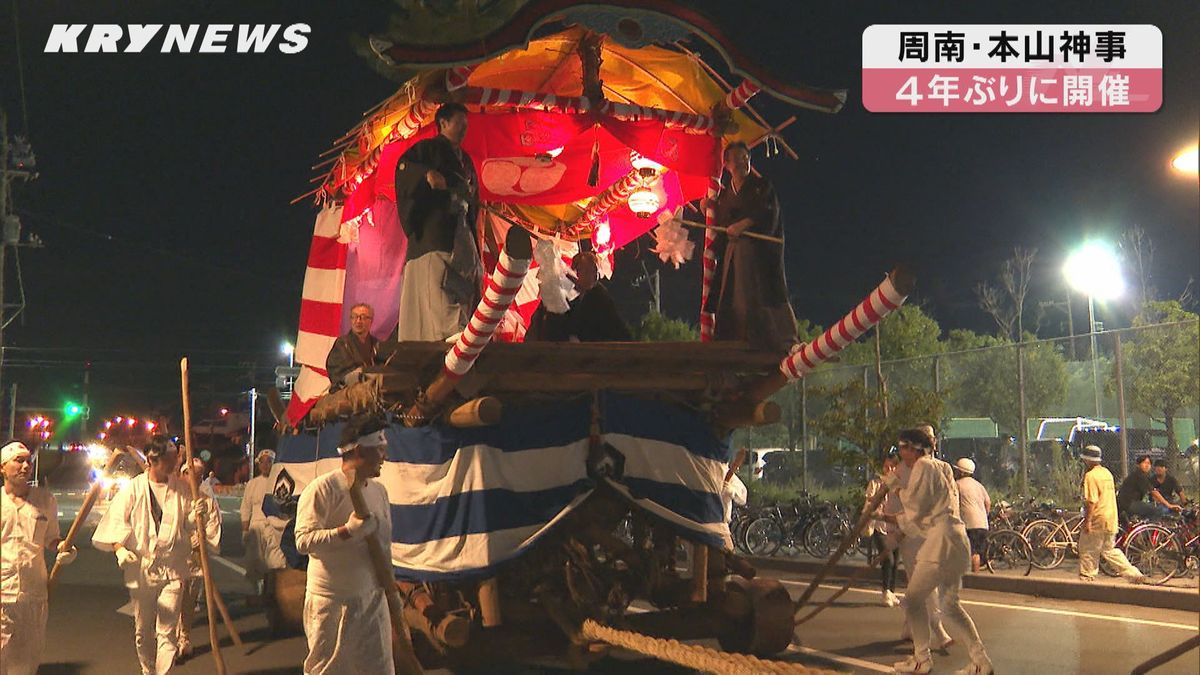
x=118 y=419
x=644 y=203
x=102 y=435
x=224 y=412
x=130 y=422
x=602 y=235
x=646 y=167
x=108 y=424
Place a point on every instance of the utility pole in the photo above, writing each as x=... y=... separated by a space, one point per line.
x=16 y=161
x=652 y=283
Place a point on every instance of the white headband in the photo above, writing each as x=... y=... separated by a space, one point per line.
x=11 y=450
x=265 y=453
x=373 y=439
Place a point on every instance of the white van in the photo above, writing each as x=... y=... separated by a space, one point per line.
x=758 y=460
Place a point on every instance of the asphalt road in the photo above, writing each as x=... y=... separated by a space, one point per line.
x=86 y=634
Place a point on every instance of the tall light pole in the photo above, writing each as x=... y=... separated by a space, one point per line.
x=1093 y=269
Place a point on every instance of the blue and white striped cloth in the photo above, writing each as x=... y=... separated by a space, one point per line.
x=467 y=500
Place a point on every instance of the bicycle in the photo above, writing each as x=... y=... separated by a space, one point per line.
x=1008 y=550
x=1051 y=540
x=1161 y=552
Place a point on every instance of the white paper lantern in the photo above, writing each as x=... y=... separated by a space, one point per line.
x=644 y=203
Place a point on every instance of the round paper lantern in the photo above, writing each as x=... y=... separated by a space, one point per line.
x=644 y=203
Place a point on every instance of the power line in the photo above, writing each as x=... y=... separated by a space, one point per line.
x=20 y=67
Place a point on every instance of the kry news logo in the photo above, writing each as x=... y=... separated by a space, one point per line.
x=217 y=38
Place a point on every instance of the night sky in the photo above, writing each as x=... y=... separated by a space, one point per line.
x=165 y=181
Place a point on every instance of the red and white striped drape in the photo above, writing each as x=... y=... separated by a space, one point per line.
x=320 y=311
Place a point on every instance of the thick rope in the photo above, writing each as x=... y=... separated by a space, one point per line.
x=691 y=656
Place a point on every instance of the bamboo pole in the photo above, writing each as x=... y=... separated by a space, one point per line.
x=1167 y=656
x=718 y=228
x=381 y=566
x=851 y=537
x=89 y=501
x=209 y=590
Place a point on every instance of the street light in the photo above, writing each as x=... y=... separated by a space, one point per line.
x=1187 y=161
x=1093 y=269
x=289 y=350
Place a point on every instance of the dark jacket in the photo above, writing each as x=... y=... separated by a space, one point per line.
x=592 y=317
x=442 y=220
x=347 y=354
x=430 y=217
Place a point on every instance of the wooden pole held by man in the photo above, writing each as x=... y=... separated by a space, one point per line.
x=209 y=589
x=85 y=508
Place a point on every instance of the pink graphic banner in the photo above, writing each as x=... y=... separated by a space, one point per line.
x=1027 y=90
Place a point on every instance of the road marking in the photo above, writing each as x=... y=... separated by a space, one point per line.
x=848 y=660
x=1041 y=610
x=230 y=564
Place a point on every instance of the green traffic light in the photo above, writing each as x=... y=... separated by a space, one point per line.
x=72 y=410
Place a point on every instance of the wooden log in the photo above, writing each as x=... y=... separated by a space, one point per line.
x=571 y=382
x=739 y=566
x=699 y=573
x=746 y=413
x=480 y=412
x=601 y=357
x=441 y=628
x=489 y=603
x=381 y=567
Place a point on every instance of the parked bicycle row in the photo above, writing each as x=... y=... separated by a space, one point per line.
x=1022 y=536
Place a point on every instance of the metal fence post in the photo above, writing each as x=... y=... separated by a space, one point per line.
x=1121 y=403
x=1022 y=428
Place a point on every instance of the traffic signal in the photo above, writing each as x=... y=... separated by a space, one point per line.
x=71 y=410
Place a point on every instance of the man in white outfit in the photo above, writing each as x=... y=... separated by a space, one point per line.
x=346 y=617
x=194 y=584
x=907 y=548
x=28 y=527
x=150 y=526
x=261 y=533
x=931 y=519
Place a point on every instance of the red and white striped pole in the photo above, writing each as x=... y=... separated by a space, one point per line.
x=741 y=94
x=456 y=77
x=709 y=259
x=882 y=301
x=885 y=299
x=498 y=295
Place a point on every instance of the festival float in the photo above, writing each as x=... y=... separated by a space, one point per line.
x=513 y=466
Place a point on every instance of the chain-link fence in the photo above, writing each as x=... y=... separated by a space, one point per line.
x=1020 y=411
